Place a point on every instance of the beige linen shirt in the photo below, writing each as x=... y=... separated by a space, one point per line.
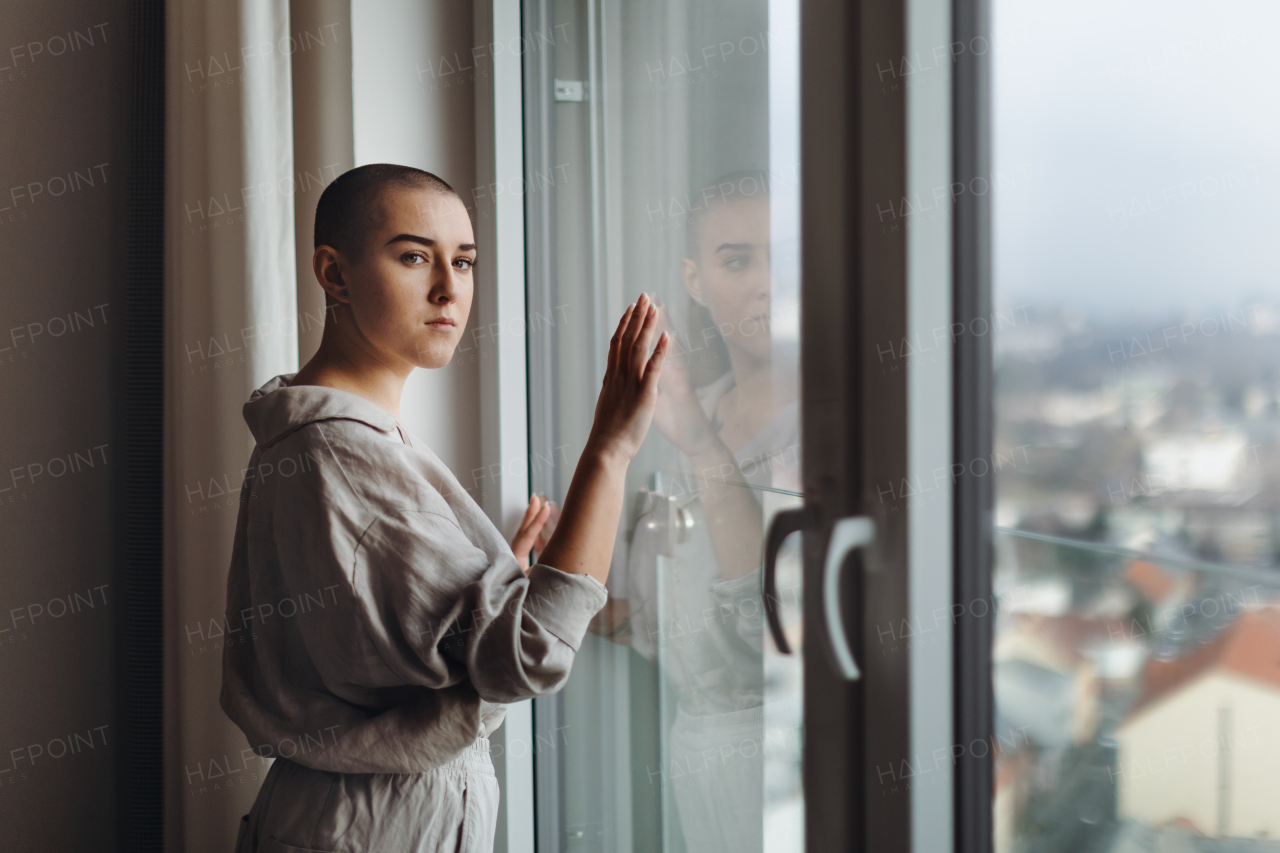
x=376 y=619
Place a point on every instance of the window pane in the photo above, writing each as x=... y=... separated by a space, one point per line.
x=1137 y=649
x=663 y=158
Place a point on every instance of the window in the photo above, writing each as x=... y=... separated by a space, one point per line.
x=1136 y=658
x=661 y=157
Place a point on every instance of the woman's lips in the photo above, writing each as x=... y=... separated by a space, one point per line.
x=442 y=323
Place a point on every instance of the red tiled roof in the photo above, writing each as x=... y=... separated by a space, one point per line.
x=1250 y=646
x=1150 y=582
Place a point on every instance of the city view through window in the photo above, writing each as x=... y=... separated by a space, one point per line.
x=1137 y=447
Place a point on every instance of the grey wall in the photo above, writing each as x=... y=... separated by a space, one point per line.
x=62 y=154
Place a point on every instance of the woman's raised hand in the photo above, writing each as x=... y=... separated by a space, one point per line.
x=584 y=536
x=630 y=389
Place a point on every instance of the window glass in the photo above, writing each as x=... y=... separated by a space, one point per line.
x=663 y=158
x=1137 y=373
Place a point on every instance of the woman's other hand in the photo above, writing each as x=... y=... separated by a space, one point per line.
x=630 y=388
x=531 y=529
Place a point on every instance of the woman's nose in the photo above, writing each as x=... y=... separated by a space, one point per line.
x=444 y=287
x=763 y=285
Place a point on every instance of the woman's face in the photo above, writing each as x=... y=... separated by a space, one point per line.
x=731 y=274
x=410 y=290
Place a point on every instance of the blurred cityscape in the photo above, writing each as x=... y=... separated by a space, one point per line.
x=1137 y=648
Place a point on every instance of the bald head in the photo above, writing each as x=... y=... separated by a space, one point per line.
x=730 y=187
x=351 y=207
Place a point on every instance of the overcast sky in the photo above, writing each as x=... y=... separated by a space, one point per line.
x=1137 y=152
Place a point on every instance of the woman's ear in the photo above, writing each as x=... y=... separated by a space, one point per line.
x=693 y=280
x=327 y=266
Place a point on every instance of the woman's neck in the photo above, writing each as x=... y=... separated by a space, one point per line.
x=760 y=390
x=341 y=364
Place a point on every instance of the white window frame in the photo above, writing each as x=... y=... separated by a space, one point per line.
x=504 y=407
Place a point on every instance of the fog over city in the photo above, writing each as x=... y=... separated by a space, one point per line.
x=1144 y=136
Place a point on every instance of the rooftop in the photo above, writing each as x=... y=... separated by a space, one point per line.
x=1250 y=646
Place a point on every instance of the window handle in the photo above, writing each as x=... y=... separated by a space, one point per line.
x=847 y=535
x=784 y=523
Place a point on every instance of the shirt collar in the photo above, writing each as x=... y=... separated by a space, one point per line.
x=277 y=409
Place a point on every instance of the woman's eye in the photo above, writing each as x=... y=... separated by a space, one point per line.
x=737 y=262
x=464 y=263
x=414 y=258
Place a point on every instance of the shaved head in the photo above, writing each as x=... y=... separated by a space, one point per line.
x=351 y=207
x=729 y=187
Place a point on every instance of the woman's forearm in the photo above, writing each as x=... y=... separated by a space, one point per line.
x=588 y=525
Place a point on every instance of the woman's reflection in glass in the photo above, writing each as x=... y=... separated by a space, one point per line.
x=729 y=406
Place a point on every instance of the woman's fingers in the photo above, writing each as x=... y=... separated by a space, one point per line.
x=638 y=318
x=535 y=505
x=653 y=370
x=640 y=349
x=624 y=408
x=523 y=543
x=530 y=526
x=615 y=343
x=629 y=346
x=528 y=534
x=553 y=511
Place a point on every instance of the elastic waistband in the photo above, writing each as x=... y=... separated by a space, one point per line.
x=474 y=757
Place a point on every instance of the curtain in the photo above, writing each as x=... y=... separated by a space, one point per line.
x=268 y=102
x=231 y=324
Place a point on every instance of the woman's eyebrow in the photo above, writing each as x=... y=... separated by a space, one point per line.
x=411 y=238
x=735 y=247
x=426 y=241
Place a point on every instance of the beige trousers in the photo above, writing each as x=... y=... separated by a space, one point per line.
x=452 y=809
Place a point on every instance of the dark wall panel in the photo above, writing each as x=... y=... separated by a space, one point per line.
x=63 y=132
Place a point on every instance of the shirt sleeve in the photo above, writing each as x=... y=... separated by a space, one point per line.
x=433 y=603
x=415 y=602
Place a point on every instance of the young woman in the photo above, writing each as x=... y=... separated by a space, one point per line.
x=386 y=621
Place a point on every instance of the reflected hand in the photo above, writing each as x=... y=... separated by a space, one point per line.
x=531 y=529
x=678 y=414
x=630 y=389
x=544 y=535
